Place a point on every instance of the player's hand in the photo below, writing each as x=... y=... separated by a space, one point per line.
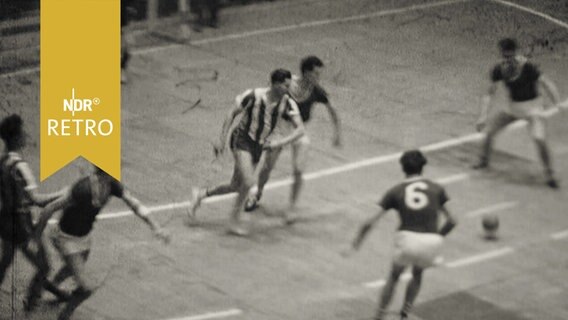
x=163 y=235
x=480 y=124
x=269 y=145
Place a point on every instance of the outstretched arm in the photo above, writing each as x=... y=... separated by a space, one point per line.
x=60 y=203
x=143 y=213
x=296 y=134
x=227 y=123
x=366 y=227
x=336 y=125
x=550 y=89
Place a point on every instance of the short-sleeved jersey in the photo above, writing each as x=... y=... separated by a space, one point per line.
x=418 y=201
x=260 y=115
x=306 y=97
x=524 y=86
x=88 y=196
x=16 y=180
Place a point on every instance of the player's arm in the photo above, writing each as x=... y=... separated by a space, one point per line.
x=31 y=189
x=366 y=228
x=336 y=124
x=485 y=105
x=143 y=213
x=550 y=88
x=296 y=120
x=450 y=221
x=227 y=123
x=47 y=212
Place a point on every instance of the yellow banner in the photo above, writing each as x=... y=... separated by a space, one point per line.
x=80 y=84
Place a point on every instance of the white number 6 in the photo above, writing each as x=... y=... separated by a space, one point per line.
x=414 y=198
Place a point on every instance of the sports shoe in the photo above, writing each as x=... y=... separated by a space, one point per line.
x=553 y=183
x=78 y=297
x=480 y=165
x=252 y=203
x=237 y=230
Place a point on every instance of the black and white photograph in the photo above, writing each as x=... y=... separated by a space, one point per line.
x=298 y=160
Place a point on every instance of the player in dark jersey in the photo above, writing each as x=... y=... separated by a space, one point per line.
x=19 y=193
x=262 y=109
x=522 y=79
x=71 y=238
x=307 y=92
x=419 y=203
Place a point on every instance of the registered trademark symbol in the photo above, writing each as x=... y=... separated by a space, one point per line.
x=96 y=101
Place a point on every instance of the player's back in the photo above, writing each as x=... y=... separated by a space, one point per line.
x=418 y=202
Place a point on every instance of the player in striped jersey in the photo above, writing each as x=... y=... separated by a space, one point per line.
x=19 y=192
x=307 y=92
x=261 y=110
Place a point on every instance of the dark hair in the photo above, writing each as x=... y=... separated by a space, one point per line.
x=412 y=162
x=309 y=63
x=279 y=76
x=11 y=130
x=508 y=44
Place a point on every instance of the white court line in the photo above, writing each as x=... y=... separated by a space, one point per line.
x=212 y=315
x=493 y=208
x=271 y=30
x=377 y=284
x=454 y=264
x=559 y=235
x=480 y=257
x=532 y=11
x=274 y=185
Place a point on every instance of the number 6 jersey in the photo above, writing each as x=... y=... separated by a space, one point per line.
x=418 y=201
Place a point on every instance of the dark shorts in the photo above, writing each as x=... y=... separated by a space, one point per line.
x=242 y=141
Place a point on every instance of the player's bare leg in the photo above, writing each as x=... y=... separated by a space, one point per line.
x=198 y=194
x=300 y=157
x=388 y=291
x=270 y=158
x=411 y=292
x=245 y=171
x=497 y=124
x=538 y=132
x=76 y=262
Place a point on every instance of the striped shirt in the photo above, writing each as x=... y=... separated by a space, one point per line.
x=261 y=115
x=16 y=180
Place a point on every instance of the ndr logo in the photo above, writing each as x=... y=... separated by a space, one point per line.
x=79 y=105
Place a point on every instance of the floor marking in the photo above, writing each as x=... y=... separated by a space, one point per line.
x=534 y=12
x=480 y=257
x=212 y=315
x=493 y=208
x=560 y=235
x=235 y=36
x=455 y=264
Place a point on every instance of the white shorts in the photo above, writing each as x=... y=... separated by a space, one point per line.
x=68 y=244
x=417 y=249
x=526 y=109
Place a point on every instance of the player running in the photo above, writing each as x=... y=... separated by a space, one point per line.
x=522 y=79
x=261 y=110
x=307 y=92
x=418 y=242
x=72 y=236
x=19 y=193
